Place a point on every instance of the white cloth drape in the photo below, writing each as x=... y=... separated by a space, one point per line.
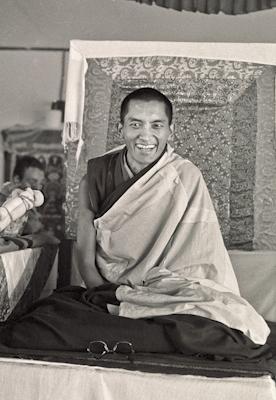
x=32 y=380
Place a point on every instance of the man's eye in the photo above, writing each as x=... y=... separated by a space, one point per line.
x=157 y=126
x=135 y=125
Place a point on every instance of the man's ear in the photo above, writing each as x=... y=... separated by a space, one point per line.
x=172 y=131
x=119 y=127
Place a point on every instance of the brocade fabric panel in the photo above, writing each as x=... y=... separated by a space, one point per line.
x=216 y=127
x=265 y=188
x=243 y=161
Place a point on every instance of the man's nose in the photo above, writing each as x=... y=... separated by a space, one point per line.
x=146 y=131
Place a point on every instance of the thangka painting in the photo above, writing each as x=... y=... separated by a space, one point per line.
x=224 y=117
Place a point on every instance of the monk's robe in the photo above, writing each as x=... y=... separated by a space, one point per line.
x=170 y=286
x=158 y=238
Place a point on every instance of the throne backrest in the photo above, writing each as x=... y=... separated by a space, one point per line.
x=224 y=123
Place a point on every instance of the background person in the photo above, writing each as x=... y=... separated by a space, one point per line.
x=28 y=172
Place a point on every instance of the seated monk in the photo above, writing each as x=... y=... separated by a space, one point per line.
x=151 y=254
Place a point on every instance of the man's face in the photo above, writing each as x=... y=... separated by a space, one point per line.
x=33 y=177
x=146 y=131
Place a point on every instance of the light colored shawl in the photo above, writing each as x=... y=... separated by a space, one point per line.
x=162 y=243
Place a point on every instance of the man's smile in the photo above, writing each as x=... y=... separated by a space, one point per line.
x=145 y=148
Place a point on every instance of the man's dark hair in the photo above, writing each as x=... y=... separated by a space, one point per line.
x=146 y=94
x=25 y=162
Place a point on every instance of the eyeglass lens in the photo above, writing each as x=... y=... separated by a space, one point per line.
x=123 y=348
x=100 y=348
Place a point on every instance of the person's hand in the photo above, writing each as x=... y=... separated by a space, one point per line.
x=8 y=187
x=43 y=237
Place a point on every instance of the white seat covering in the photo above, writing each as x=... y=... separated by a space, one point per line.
x=256 y=275
x=32 y=380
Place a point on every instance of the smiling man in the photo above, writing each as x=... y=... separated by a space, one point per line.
x=151 y=255
x=146 y=124
x=147 y=224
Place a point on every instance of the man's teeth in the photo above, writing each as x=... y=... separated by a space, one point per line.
x=145 y=146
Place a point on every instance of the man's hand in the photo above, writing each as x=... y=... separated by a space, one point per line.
x=86 y=239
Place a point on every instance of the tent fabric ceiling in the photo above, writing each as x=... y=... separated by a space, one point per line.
x=231 y=7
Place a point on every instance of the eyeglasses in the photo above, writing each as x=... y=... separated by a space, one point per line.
x=99 y=348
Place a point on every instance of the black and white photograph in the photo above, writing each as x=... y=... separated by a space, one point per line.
x=138 y=200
